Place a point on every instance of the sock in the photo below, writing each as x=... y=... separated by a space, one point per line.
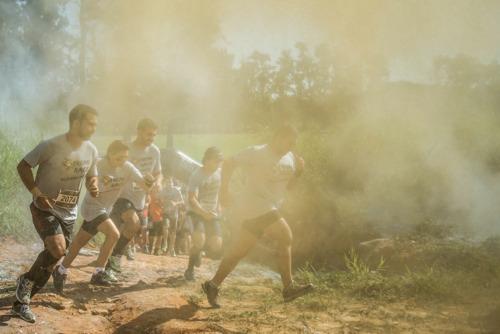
x=62 y=269
x=121 y=245
x=98 y=269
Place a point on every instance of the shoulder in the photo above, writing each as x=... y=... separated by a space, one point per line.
x=153 y=148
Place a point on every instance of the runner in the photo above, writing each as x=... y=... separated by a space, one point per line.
x=171 y=198
x=64 y=163
x=203 y=193
x=157 y=220
x=114 y=171
x=271 y=169
x=128 y=209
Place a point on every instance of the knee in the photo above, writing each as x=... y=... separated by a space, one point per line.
x=114 y=235
x=57 y=251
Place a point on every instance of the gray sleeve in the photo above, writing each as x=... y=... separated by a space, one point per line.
x=93 y=166
x=39 y=154
x=245 y=156
x=157 y=165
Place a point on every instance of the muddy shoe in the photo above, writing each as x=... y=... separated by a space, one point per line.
x=111 y=276
x=114 y=263
x=295 y=291
x=212 y=293
x=100 y=278
x=59 y=280
x=24 y=312
x=23 y=290
x=189 y=275
x=130 y=254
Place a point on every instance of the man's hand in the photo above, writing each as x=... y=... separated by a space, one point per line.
x=149 y=180
x=93 y=190
x=44 y=202
x=210 y=216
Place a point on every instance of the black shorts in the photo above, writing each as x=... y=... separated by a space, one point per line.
x=259 y=224
x=47 y=224
x=200 y=225
x=91 y=226
x=122 y=205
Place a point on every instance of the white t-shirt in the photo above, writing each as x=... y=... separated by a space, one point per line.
x=147 y=161
x=206 y=188
x=61 y=172
x=111 y=183
x=267 y=177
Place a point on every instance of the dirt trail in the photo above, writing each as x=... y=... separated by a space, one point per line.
x=154 y=298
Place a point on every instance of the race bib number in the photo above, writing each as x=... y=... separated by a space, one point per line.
x=67 y=199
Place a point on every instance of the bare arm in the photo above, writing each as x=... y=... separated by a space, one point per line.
x=196 y=207
x=26 y=175
x=91 y=183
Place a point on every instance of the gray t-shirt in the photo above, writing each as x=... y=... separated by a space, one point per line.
x=61 y=172
x=206 y=187
x=147 y=161
x=111 y=183
x=268 y=175
x=168 y=195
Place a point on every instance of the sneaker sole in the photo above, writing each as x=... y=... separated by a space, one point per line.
x=299 y=294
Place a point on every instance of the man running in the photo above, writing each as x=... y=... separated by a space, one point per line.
x=114 y=172
x=271 y=169
x=171 y=198
x=64 y=163
x=128 y=209
x=203 y=199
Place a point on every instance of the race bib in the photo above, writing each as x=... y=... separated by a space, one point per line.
x=67 y=198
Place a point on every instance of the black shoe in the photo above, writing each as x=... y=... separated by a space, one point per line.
x=24 y=312
x=100 y=278
x=189 y=275
x=23 y=290
x=59 y=280
x=212 y=293
x=295 y=291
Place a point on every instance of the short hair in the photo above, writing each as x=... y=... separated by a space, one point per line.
x=285 y=130
x=212 y=153
x=116 y=146
x=80 y=112
x=146 y=123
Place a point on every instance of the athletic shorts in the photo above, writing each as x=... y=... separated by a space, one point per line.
x=258 y=225
x=47 y=224
x=91 y=226
x=122 y=205
x=210 y=229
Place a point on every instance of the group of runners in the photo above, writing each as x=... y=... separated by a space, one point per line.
x=128 y=181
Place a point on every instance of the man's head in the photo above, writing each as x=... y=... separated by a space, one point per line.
x=146 y=131
x=284 y=139
x=117 y=153
x=83 y=121
x=212 y=159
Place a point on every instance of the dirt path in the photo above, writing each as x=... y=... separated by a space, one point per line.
x=154 y=298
